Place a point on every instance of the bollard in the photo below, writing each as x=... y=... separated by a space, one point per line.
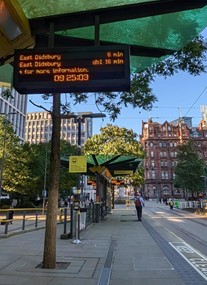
x=23 y=220
x=61 y=215
x=36 y=220
x=97 y=213
x=71 y=220
x=65 y=235
x=65 y=221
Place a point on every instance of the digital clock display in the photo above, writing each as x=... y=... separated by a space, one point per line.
x=81 y=69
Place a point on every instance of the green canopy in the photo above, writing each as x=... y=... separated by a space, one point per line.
x=114 y=163
x=98 y=163
x=153 y=29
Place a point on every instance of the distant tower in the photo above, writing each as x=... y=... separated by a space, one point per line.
x=203 y=110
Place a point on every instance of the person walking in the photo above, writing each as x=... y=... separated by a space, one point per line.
x=171 y=204
x=139 y=203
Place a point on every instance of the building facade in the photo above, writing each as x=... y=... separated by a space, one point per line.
x=14 y=108
x=39 y=128
x=160 y=142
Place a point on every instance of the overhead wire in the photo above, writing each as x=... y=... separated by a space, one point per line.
x=196 y=101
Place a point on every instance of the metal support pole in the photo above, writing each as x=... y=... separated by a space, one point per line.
x=76 y=240
x=65 y=221
x=23 y=221
x=97 y=30
x=36 y=219
x=44 y=194
x=71 y=220
x=77 y=216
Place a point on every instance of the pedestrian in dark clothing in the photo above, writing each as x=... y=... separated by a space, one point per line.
x=139 y=203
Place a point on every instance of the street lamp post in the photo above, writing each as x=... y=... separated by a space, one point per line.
x=205 y=180
x=79 y=119
x=3 y=153
x=44 y=192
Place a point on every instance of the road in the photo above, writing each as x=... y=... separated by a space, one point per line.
x=191 y=228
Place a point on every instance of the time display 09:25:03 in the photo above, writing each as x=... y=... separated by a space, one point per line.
x=71 y=77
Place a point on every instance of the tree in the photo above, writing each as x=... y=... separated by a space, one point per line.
x=114 y=140
x=39 y=165
x=189 y=169
x=15 y=172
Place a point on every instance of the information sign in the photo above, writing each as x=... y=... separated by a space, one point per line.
x=81 y=69
x=78 y=164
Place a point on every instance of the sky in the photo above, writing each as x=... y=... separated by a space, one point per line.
x=180 y=95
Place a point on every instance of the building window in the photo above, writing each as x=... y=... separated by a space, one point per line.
x=174 y=163
x=173 y=154
x=164 y=174
x=166 y=190
x=151 y=153
x=153 y=174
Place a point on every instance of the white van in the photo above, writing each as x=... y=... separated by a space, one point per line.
x=4 y=196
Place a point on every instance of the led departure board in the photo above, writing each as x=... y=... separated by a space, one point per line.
x=66 y=70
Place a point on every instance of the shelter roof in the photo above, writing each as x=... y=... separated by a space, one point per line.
x=113 y=163
x=153 y=29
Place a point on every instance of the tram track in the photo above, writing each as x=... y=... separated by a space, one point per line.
x=180 y=231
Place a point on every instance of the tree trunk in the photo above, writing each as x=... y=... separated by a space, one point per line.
x=49 y=257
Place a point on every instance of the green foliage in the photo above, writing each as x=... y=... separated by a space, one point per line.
x=138 y=177
x=14 y=170
x=114 y=140
x=190 y=59
x=24 y=166
x=189 y=169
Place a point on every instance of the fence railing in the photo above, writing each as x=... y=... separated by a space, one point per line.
x=20 y=220
x=17 y=220
x=192 y=204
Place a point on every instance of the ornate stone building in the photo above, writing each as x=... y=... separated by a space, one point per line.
x=160 y=142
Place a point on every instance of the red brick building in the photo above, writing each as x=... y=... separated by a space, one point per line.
x=160 y=142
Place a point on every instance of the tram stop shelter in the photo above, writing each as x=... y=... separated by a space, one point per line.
x=105 y=167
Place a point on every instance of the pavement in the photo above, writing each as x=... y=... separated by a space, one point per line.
x=117 y=251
